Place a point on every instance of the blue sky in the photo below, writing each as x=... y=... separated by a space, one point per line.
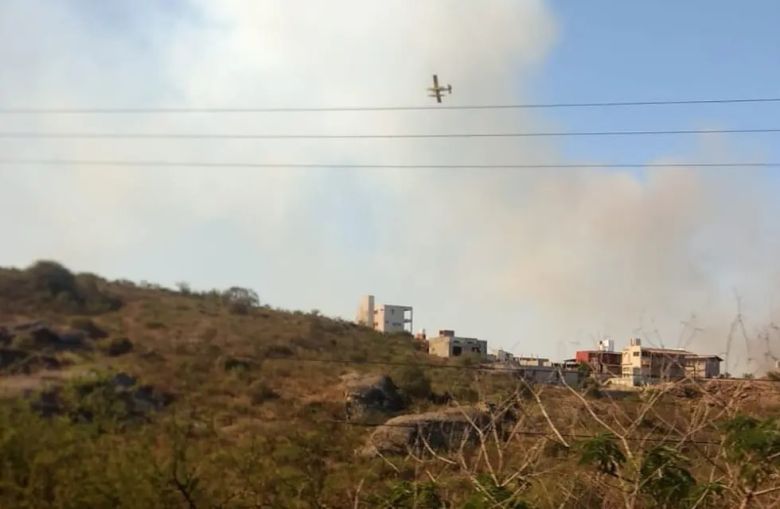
x=659 y=50
x=539 y=261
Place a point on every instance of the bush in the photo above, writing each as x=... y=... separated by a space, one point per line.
x=88 y=326
x=49 y=284
x=240 y=300
x=115 y=347
x=413 y=382
x=259 y=393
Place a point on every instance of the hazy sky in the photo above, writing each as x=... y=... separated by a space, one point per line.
x=539 y=261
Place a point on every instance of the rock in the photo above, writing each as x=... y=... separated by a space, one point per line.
x=442 y=430
x=369 y=394
x=39 y=335
x=14 y=360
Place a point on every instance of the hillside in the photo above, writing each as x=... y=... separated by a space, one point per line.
x=120 y=395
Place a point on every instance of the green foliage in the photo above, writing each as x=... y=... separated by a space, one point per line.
x=665 y=477
x=488 y=494
x=773 y=375
x=603 y=452
x=413 y=382
x=49 y=285
x=411 y=495
x=754 y=445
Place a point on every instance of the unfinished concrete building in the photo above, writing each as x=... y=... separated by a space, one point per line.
x=384 y=317
x=447 y=344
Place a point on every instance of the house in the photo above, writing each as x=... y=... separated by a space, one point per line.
x=601 y=362
x=703 y=366
x=385 y=317
x=447 y=345
x=502 y=356
x=641 y=365
x=537 y=362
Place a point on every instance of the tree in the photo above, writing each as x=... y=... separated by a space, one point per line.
x=240 y=300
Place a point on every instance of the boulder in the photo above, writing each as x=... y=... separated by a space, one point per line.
x=39 y=335
x=376 y=393
x=442 y=430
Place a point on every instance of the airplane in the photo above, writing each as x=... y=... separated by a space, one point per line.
x=436 y=90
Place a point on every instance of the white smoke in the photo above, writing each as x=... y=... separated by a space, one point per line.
x=539 y=260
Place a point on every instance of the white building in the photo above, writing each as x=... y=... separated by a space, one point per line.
x=503 y=356
x=449 y=345
x=642 y=365
x=385 y=317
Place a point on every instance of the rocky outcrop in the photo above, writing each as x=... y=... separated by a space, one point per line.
x=38 y=335
x=372 y=394
x=442 y=430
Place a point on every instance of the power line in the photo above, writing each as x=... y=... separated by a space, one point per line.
x=237 y=136
x=164 y=110
x=202 y=164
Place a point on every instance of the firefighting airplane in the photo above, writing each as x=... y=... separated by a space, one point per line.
x=436 y=90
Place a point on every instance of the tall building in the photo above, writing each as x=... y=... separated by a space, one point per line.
x=385 y=317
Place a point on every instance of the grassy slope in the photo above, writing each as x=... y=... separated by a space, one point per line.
x=246 y=448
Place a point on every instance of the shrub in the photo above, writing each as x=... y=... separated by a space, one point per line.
x=24 y=341
x=413 y=382
x=236 y=364
x=115 y=347
x=259 y=393
x=240 y=300
x=591 y=387
x=88 y=326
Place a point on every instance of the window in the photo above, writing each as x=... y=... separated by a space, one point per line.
x=456 y=350
x=475 y=349
x=636 y=354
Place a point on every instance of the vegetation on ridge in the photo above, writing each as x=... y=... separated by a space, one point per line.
x=162 y=398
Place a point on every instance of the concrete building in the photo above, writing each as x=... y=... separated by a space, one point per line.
x=384 y=317
x=447 y=344
x=641 y=365
x=502 y=356
x=601 y=362
x=702 y=366
x=537 y=362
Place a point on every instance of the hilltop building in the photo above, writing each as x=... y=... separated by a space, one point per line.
x=642 y=365
x=604 y=361
x=385 y=317
x=447 y=345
